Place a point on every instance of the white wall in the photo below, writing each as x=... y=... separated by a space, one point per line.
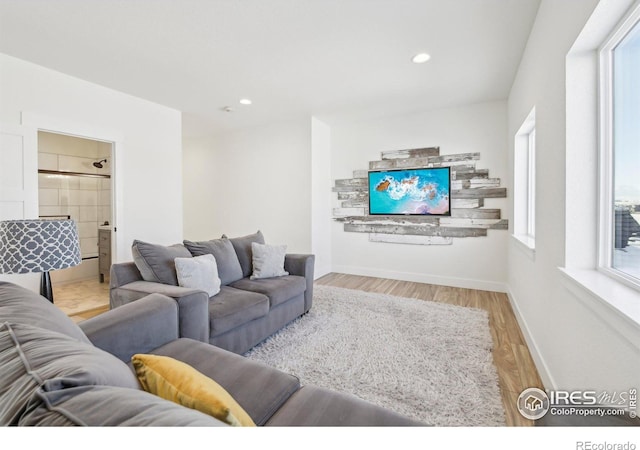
x=150 y=181
x=256 y=179
x=321 y=197
x=573 y=346
x=469 y=262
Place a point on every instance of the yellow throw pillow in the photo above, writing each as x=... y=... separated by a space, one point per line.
x=179 y=382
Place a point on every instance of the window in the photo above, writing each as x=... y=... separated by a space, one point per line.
x=619 y=249
x=524 y=229
x=610 y=296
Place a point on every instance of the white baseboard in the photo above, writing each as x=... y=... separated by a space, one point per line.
x=543 y=369
x=320 y=271
x=424 y=278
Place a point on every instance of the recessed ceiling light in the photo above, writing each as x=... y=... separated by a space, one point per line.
x=245 y=101
x=421 y=58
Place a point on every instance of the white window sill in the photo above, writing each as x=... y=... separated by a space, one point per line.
x=612 y=300
x=526 y=243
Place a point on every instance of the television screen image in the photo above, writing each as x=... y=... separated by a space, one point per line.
x=410 y=192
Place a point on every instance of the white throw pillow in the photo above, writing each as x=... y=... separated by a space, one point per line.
x=199 y=272
x=268 y=260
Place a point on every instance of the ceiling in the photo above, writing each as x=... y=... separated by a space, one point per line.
x=292 y=58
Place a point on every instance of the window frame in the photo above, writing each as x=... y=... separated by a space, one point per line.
x=605 y=209
x=525 y=183
x=531 y=183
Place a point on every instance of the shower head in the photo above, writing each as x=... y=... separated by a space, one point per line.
x=98 y=164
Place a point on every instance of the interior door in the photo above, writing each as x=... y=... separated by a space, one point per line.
x=18 y=172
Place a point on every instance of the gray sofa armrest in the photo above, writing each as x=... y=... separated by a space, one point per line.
x=193 y=305
x=138 y=327
x=302 y=265
x=123 y=273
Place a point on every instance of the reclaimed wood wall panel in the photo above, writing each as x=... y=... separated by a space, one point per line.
x=460 y=169
x=460 y=157
x=490 y=224
x=461 y=175
x=470 y=186
x=391 y=220
x=361 y=195
x=416 y=229
x=352 y=182
x=465 y=203
x=390 y=164
x=474 y=183
x=479 y=193
x=348 y=212
x=411 y=153
x=428 y=161
x=467 y=213
x=349 y=189
x=354 y=204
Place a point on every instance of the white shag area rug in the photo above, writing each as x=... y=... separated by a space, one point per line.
x=428 y=361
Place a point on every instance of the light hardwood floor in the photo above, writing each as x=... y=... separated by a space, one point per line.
x=83 y=299
x=516 y=370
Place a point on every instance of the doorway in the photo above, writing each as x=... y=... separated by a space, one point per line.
x=75 y=181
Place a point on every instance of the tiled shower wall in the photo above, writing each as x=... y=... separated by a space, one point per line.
x=87 y=200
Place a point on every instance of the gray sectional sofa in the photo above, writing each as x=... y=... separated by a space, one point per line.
x=245 y=311
x=54 y=372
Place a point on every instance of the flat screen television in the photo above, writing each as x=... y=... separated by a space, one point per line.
x=410 y=192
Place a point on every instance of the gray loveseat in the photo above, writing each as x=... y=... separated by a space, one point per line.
x=242 y=314
x=56 y=373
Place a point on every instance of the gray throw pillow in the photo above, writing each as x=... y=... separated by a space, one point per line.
x=31 y=356
x=21 y=305
x=156 y=262
x=229 y=269
x=109 y=406
x=268 y=261
x=242 y=245
x=200 y=272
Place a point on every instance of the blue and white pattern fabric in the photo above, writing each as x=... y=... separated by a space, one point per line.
x=38 y=245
